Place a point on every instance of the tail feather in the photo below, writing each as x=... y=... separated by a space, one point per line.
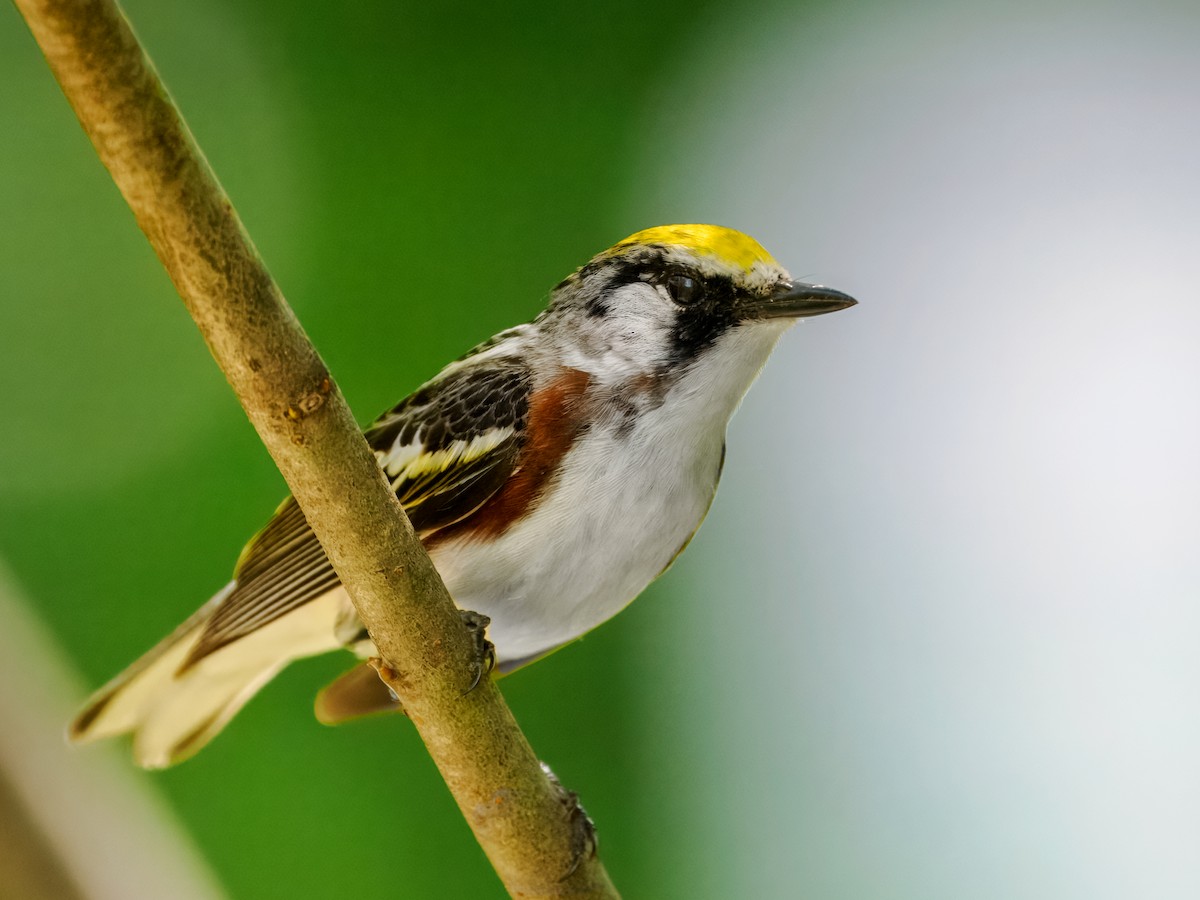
x=354 y=694
x=119 y=706
x=173 y=709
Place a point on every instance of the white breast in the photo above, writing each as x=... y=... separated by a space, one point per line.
x=628 y=499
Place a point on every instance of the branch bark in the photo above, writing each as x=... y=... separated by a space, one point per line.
x=532 y=831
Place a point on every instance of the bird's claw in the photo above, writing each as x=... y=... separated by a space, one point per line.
x=485 y=652
x=584 y=840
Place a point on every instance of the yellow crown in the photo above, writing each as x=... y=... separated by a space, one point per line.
x=731 y=246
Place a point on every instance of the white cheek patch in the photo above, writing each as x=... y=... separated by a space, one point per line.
x=628 y=339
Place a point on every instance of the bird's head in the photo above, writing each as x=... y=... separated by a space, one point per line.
x=666 y=297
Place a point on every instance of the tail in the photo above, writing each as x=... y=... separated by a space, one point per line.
x=172 y=710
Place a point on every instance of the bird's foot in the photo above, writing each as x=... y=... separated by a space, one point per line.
x=584 y=840
x=485 y=652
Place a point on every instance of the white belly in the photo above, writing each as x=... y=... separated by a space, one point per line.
x=591 y=545
x=599 y=536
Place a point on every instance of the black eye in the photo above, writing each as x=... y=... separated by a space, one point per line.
x=685 y=290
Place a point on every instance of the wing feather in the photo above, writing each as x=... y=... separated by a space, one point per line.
x=447 y=449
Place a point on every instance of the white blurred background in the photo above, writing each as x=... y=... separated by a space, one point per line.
x=956 y=654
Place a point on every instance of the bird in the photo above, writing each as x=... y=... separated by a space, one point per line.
x=552 y=473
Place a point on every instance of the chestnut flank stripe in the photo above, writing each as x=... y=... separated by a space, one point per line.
x=555 y=416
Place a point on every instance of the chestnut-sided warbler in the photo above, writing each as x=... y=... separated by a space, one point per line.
x=552 y=473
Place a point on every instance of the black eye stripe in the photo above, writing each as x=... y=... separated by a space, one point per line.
x=699 y=325
x=704 y=303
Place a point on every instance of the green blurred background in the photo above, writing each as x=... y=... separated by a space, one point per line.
x=417 y=176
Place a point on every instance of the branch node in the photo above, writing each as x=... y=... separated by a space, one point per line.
x=310 y=402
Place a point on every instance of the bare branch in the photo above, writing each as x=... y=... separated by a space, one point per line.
x=530 y=829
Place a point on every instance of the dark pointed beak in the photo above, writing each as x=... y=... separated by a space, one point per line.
x=796 y=300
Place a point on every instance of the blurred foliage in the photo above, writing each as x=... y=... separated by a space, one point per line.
x=417 y=176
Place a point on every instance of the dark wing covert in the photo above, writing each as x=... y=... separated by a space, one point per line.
x=446 y=450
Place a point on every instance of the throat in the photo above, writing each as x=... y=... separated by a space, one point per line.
x=698 y=397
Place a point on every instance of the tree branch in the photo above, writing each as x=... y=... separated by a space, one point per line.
x=529 y=827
